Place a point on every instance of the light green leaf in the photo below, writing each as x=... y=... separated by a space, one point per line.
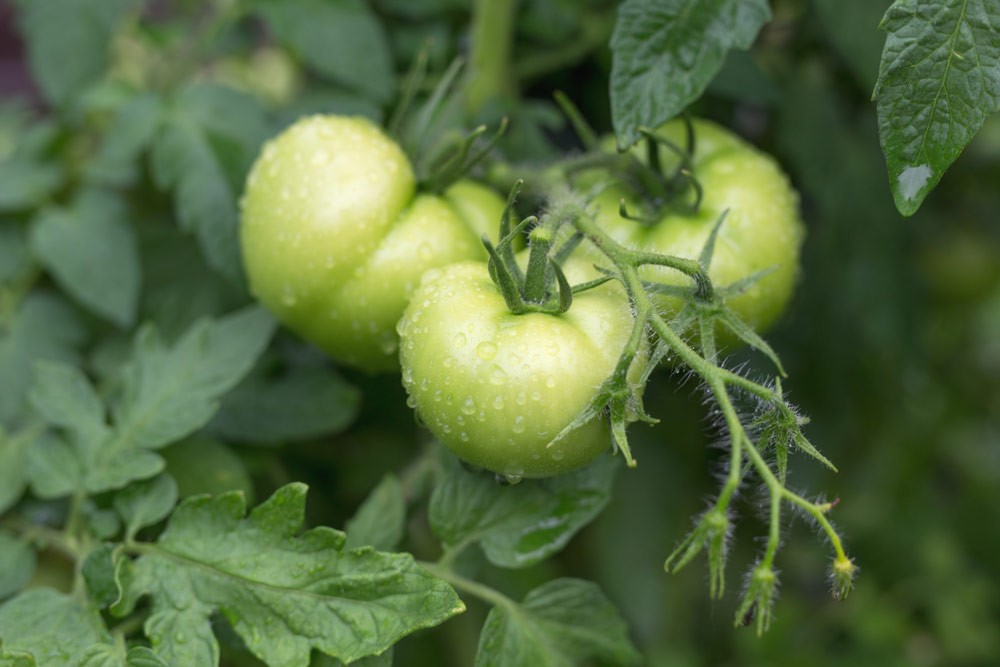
x=107 y=655
x=519 y=525
x=560 y=624
x=15 y=658
x=54 y=468
x=284 y=591
x=341 y=39
x=17 y=563
x=133 y=128
x=665 y=53
x=301 y=404
x=68 y=41
x=55 y=628
x=144 y=503
x=99 y=573
x=938 y=82
x=64 y=397
x=170 y=392
x=43 y=327
x=91 y=251
x=379 y=521
x=13 y=466
x=381 y=660
x=140 y=656
x=27 y=176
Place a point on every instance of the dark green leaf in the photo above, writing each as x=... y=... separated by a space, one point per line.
x=519 y=525
x=15 y=658
x=665 y=53
x=560 y=624
x=938 y=82
x=379 y=521
x=302 y=404
x=341 y=39
x=285 y=592
x=55 y=628
x=27 y=177
x=852 y=28
x=15 y=260
x=91 y=251
x=18 y=563
x=99 y=573
x=144 y=503
x=67 y=42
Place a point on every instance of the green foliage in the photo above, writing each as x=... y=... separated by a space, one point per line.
x=145 y=402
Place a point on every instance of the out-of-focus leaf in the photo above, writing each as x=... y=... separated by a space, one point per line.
x=742 y=79
x=285 y=592
x=301 y=404
x=665 y=52
x=67 y=42
x=519 y=525
x=938 y=82
x=99 y=573
x=18 y=560
x=146 y=502
x=852 y=29
x=379 y=522
x=202 y=465
x=91 y=251
x=130 y=133
x=341 y=39
x=560 y=624
x=27 y=177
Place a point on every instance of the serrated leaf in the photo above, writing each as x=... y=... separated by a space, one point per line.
x=285 y=592
x=560 y=624
x=938 y=82
x=99 y=573
x=382 y=660
x=144 y=503
x=131 y=132
x=18 y=563
x=67 y=42
x=665 y=53
x=55 y=628
x=43 y=327
x=302 y=404
x=340 y=39
x=15 y=658
x=202 y=465
x=519 y=525
x=379 y=521
x=91 y=251
x=54 y=469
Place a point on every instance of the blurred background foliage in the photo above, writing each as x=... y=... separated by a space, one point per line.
x=892 y=343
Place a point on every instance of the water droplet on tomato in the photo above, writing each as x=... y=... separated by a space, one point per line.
x=498 y=402
x=459 y=340
x=518 y=425
x=486 y=350
x=468 y=406
x=497 y=375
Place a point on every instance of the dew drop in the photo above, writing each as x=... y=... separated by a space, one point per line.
x=522 y=398
x=497 y=375
x=550 y=382
x=459 y=340
x=513 y=477
x=518 y=425
x=469 y=406
x=486 y=350
x=558 y=455
x=498 y=402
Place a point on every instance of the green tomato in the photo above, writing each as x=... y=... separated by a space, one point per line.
x=495 y=387
x=762 y=229
x=335 y=236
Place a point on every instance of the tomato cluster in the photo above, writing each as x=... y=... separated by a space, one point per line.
x=336 y=239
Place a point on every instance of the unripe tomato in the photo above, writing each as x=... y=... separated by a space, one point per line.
x=495 y=387
x=335 y=236
x=762 y=229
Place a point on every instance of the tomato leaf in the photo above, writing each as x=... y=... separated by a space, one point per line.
x=168 y=393
x=379 y=522
x=665 y=53
x=519 y=525
x=27 y=175
x=146 y=502
x=91 y=252
x=285 y=592
x=340 y=39
x=938 y=82
x=53 y=628
x=563 y=622
x=133 y=129
x=202 y=465
x=18 y=560
x=67 y=42
x=301 y=404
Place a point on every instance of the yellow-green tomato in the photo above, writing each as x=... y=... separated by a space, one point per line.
x=495 y=387
x=762 y=228
x=335 y=235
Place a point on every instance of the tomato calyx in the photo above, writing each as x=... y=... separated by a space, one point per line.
x=542 y=287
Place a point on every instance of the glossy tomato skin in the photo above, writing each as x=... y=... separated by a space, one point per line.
x=335 y=237
x=496 y=387
x=762 y=229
